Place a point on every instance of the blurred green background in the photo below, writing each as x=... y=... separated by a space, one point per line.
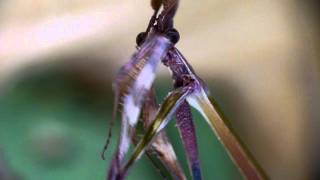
x=261 y=60
x=53 y=125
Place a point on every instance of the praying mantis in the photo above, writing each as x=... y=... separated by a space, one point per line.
x=135 y=97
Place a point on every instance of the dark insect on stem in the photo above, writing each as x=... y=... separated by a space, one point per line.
x=168 y=12
x=133 y=90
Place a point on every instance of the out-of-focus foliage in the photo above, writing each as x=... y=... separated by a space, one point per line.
x=53 y=126
x=260 y=59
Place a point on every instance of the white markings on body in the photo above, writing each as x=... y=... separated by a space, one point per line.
x=134 y=99
x=124 y=139
x=145 y=78
x=131 y=110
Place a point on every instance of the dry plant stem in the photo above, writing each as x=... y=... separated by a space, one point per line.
x=164 y=113
x=181 y=68
x=236 y=151
x=161 y=145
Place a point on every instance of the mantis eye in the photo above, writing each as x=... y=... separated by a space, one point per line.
x=155 y=4
x=173 y=35
x=141 y=37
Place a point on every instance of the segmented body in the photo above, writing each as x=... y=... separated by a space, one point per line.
x=151 y=51
x=132 y=83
